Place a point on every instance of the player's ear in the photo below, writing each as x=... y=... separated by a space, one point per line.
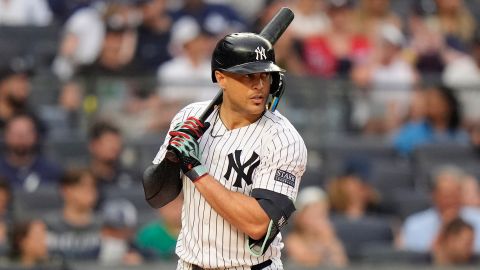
x=220 y=78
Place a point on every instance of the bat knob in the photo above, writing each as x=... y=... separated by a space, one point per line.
x=170 y=155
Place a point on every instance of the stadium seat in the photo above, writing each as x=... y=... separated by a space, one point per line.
x=428 y=157
x=365 y=231
x=38 y=203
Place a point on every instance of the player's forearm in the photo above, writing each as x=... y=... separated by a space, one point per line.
x=241 y=211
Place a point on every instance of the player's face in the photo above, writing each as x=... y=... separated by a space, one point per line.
x=247 y=93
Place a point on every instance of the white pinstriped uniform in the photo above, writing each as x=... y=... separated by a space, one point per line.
x=206 y=239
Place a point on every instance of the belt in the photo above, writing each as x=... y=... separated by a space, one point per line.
x=259 y=266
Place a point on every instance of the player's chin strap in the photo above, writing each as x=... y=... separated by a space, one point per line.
x=276 y=92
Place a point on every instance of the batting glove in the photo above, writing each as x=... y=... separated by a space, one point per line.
x=192 y=126
x=187 y=151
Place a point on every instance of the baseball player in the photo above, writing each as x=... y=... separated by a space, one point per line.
x=240 y=169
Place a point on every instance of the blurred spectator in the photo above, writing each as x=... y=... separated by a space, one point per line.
x=74 y=231
x=159 y=237
x=120 y=220
x=475 y=137
x=470 y=191
x=25 y=12
x=311 y=13
x=15 y=87
x=462 y=73
x=351 y=196
x=453 y=20
x=371 y=15
x=442 y=123
x=97 y=37
x=216 y=19
x=153 y=35
x=81 y=43
x=119 y=43
x=312 y=241
x=64 y=118
x=187 y=77
x=138 y=110
x=420 y=229
x=355 y=214
x=29 y=246
x=389 y=80
x=21 y=162
x=334 y=52
x=105 y=146
x=454 y=244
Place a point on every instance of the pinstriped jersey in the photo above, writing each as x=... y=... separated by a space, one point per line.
x=267 y=154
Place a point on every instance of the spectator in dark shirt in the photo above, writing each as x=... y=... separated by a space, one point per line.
x=74 y=231
x=15 y=87
x=21 y=163
x=105 y=146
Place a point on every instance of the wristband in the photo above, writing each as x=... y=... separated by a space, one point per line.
x=197 y=172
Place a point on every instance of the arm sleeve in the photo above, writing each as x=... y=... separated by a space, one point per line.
x=276 y=184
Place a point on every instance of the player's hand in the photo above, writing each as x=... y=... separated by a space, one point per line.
x=192 y=126
x=187 y=150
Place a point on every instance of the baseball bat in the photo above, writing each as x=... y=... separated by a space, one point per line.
x=272 y=32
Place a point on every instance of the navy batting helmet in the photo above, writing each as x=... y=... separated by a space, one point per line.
x=244 y=53
x=247 y=53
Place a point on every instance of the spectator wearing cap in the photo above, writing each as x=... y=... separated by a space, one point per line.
x=421 y=229
x=186 y=77
x=15 y=87
x=74 y=231
x=118 y=229
x=158 y=238
x=22 y=164
x=312 y=241
x=216 y=19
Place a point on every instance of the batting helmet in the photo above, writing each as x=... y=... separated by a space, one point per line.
x=244 y=53
x=247 y=53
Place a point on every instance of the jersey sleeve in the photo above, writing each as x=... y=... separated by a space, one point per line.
x=282 y=164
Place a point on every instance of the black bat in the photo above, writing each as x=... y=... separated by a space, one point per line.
x=272 y=32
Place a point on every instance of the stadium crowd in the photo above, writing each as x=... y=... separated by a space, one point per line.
x=85 y=83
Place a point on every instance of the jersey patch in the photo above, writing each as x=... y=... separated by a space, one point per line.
x=285 y=177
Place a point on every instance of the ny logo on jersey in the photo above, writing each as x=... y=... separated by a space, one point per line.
x=234 y=163
x=260 y=51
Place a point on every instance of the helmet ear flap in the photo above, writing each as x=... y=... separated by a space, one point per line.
x=277 y=87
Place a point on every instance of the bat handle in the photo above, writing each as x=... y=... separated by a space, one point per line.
x=172 y=157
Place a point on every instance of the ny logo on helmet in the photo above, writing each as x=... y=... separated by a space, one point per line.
x=260 y=53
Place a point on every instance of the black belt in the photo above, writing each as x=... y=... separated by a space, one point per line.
x=259 y=266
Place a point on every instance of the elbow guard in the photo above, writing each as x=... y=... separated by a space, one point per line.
x=162 y=183
x=278 y=208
